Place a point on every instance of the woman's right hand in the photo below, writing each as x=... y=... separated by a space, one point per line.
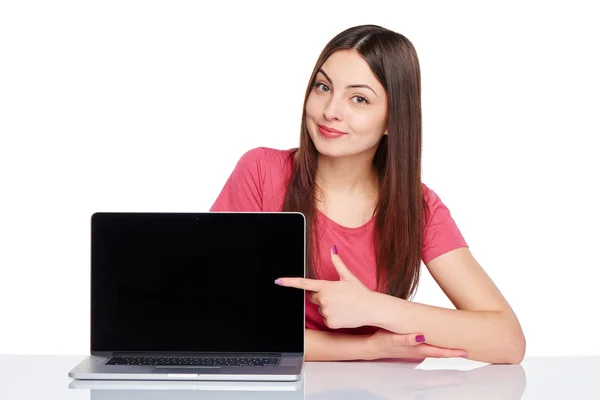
x=385 y=344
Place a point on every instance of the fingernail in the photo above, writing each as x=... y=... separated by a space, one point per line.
x=278 y=281
x=334 y=249
x=465 y=356
x=420 y=338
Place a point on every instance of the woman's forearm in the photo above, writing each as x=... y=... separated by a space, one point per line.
x=489 y=336
x=331 y=346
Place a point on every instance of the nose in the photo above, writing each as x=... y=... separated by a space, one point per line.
x=333 y=109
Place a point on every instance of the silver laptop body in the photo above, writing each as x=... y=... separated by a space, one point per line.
x=191 y=296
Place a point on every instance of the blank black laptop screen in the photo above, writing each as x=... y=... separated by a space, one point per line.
x=196 y=282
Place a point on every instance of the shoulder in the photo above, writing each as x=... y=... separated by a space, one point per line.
x=440 y=232
x=268 y=171
x=265 y=158
x=431 y=198
x=250 y=186
x=434 y=206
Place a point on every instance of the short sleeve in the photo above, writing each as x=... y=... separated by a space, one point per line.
x=440 y=233
x=243 y=189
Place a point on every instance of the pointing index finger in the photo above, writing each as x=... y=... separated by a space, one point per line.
x=313 y=285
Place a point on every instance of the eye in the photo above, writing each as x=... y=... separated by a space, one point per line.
x=322 y=87
x=361 y=100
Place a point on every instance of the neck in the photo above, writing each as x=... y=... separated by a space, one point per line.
x=347 y=175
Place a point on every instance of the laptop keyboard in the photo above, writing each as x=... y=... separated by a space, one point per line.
x=200 y=361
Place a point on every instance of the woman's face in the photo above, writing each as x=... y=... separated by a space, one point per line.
x=346 y=110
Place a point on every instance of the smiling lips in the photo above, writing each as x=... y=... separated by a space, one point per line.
x=329 y=132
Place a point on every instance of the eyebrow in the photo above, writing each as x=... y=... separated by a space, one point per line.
x=350 y=86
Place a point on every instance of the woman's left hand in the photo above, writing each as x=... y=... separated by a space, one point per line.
x=346 y=303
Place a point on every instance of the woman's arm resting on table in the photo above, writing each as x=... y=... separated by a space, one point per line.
x=483 y=323
x=334 y=346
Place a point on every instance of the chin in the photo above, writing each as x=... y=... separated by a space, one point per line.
x=337 y=148
x=329 y=148
x=327 y=151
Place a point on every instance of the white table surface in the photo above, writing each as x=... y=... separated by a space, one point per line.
x=46 y=377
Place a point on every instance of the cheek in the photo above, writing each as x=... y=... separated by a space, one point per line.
x=312 y=106
x=367 y=123
x=372 y=122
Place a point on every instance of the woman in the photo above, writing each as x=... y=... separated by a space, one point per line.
x=356 y=176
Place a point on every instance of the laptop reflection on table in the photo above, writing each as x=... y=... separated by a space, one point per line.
x=188 y=390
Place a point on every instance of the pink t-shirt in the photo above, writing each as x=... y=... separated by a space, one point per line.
x=258 y=183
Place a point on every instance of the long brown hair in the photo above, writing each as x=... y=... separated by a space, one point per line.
x=400 y=205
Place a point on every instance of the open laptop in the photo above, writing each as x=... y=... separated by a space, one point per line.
x=191 y=296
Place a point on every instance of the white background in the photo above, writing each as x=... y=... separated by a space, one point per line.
x=147 y=106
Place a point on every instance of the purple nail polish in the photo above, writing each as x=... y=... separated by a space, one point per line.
x=278 y=281
x=465 y=356
x=420 y=338
x=334 y=249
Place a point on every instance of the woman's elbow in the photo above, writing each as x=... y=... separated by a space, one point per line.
x=519 y=352
x=517 y=345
